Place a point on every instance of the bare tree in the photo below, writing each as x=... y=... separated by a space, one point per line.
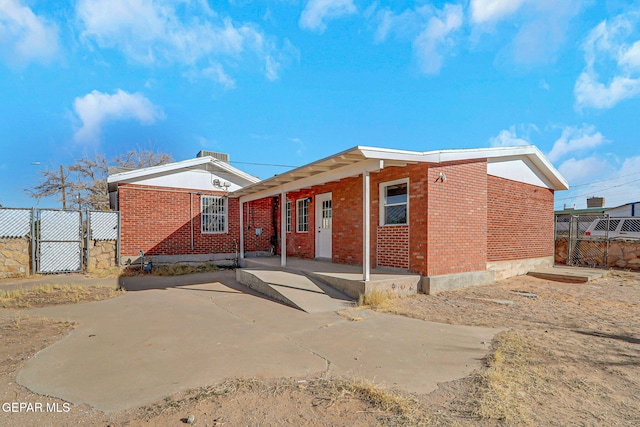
x=84 y=183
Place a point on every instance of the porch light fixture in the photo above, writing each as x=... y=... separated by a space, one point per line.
x=225 y=184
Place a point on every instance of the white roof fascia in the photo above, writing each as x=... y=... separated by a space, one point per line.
x=440 y=156
x=354 y=169
x=184 y=164
x=287 y=181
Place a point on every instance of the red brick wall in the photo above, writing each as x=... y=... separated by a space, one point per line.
x=520 y=220
x=258 y=214
x=393 y=246
x=414 y=258
x=302 y=244
x=457 y=218
x=347 y=221
x=161 y=221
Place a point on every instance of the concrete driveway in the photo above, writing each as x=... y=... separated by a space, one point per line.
x=145 y=345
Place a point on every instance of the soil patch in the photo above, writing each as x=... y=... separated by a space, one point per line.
x=570 y=356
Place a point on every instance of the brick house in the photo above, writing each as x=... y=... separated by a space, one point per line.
x=456 y=217
x=182 y=212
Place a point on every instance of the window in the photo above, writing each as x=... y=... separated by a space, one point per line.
x=214 y=214
x=602 y=225
x=288 y=214
x=631 y=226
x=394 y=198
x=302 y=211
x=326 y=214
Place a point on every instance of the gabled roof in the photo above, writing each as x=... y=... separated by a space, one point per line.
x=353 y=161
x=205 y=163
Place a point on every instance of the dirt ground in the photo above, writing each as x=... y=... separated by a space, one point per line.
x=569 y=356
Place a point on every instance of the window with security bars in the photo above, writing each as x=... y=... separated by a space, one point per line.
x=302 y=211
x=394 y=198
x=214 y=214
x=288 y=216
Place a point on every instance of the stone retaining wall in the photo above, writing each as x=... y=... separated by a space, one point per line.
x=15 y=257
x=622 y=253
x=102 y=254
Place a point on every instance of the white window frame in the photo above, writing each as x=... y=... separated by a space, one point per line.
x=204 y=215
x=288 y=216
x=382 y=200
x=302 y=206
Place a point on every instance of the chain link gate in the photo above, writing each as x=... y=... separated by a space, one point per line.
x=587 y=246
x=58 y=237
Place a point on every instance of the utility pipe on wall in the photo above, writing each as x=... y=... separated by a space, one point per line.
x=366 y=226
x=283 y=228
x=241 y=232
x=191 y=219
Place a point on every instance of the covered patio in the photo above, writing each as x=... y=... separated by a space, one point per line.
x=316 y=286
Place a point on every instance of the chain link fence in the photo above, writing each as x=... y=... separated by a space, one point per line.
x=583 y=240
x=57 y=241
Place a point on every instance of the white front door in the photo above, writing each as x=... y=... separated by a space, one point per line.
x=324 y=213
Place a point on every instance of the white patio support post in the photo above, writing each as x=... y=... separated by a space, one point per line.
x=241 y=232
x=283 y=228
x=366 y=226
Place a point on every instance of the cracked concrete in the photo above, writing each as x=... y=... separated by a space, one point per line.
x=142 y=346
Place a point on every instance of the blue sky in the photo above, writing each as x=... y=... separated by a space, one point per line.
x=286 y=82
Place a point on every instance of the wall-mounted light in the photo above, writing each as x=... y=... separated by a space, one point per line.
x=309 y=199
x=221 y=184
x=442 y=177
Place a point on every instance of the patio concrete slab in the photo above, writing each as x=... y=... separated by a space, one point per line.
x=569 y=274
x=294 y=289
x=344 y=278
x=143 y=346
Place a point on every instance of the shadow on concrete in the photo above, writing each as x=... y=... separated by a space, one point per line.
x=226 y=277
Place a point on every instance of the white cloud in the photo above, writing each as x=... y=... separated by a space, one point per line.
x=301 y=147
x=589 y=92
x=317 y=12
x=483 y=11
x=432 y=32
x=406 y=24
x=436 y=36
x=160 y=31
x=24 y=36
x=574 y=139
x=581 y=170
x=618 y=183
x=609 y=52
x=97 y=108
x=536 y=29
x=508 y=138
x=216 y=73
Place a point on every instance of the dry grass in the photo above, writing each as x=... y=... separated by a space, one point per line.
x=55 y=294
x=103 y=273
x=169 y=270
x=377 y=300
x=348 y=314
x=512 y=379
x=392 y=407
x=226 y=388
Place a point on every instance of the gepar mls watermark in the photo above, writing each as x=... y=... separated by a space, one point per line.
x=26 y=407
